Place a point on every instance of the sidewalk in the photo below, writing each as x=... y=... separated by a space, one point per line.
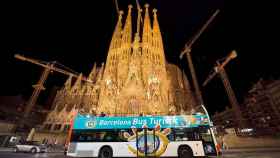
x=3 y=149
x=55 y=150
x=251 y=149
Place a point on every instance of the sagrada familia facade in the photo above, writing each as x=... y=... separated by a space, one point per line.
x=136 y=78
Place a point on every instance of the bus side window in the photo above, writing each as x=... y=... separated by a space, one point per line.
x=109 y=136
x=112 y=136
x=89 y=138
x=193 y=134
x=171 y=136
x=82 y=138
x=196 y=136
x=121 y=137
x=74 y=137
x=181 y=135
x=99 y=136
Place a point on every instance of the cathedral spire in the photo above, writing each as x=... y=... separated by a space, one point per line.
x=157 y=41
x=113 y=49
x=125 y=51
x=115 y=42
x=147 y=32
x=100 y=73
x=127 y=30
x=92 y=73
x=78 y=84
x=68 y=83
x=146 y=46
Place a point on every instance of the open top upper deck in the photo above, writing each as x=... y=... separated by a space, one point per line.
x=127 y=122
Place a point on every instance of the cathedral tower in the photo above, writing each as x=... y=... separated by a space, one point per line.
x=135 y=79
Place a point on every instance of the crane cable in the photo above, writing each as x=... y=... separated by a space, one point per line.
x=117 y=6
x=118 y=10
x=139 y=8
x=67 y=68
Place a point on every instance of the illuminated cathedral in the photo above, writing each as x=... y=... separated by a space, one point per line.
x=136 y=78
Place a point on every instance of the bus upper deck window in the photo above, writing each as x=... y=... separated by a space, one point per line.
x=81 y=138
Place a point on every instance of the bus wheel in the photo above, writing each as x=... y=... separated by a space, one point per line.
x=105 y=152
x=185 y=152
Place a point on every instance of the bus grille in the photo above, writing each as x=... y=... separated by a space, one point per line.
x=72 y=147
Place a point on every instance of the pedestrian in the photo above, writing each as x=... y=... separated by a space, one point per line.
x=224 y=144
x=44 y=141
x=49 y=145
x=65 y=148
x=47 y=141
x=55 y=143
x=219 y=150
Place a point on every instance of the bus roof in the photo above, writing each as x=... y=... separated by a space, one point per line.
x=127 y=122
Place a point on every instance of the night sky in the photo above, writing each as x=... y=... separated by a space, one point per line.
x=78 y=34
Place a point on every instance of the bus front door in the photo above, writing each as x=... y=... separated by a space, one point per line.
x=146 y=143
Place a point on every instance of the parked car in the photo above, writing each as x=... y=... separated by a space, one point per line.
x=31 y=146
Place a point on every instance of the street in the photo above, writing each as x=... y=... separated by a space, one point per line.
x=237 y=153
x=252 y=155
x=9 y=154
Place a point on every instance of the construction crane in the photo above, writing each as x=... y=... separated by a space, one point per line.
x=220 y=70
x=187 y=51
x=48 y=67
